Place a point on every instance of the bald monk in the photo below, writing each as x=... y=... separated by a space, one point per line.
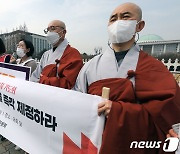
x=144 y=99
x=60 y=65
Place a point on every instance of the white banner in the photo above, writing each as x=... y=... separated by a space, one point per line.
x=43 y=119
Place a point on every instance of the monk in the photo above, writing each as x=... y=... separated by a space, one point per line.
x=60 y=65
x=144 y=99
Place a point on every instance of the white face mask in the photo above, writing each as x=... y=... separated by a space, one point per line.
x=20 y=52
x=122 y=31
x=53 y=37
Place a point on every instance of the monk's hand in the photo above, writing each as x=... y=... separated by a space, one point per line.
x=104 y=107
x=12 y=60
x=41 y=75
x=171 y=133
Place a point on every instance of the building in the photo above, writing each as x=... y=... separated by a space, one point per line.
x=155 y=45
x=11 y=40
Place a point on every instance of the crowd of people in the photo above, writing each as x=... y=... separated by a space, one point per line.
x=144 y=96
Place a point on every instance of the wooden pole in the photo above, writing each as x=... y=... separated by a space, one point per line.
x=105 y=92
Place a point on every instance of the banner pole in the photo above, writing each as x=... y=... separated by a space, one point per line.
x=105 y=92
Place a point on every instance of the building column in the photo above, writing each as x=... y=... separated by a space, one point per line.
x=178 y=47
x=141 y=47
x=152 y=50
x=164 y=48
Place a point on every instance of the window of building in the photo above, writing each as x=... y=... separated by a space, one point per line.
x=147 y=48
x=171 y=48
x=158 y=48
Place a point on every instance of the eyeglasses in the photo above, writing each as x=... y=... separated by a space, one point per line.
x=51 y=28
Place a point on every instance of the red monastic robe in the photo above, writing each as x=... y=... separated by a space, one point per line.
x=63 y=74
x=158 y=107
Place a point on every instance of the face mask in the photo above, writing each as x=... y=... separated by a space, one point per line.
x=122 y=31
x=20 y=52
x=53 y=37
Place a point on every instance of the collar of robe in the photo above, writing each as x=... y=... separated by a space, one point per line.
x=109 y=66
x=57 y=53
x=106 y=65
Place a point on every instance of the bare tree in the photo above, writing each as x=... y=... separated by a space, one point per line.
x=25 y=28
x=20 y=27
x=98 y=50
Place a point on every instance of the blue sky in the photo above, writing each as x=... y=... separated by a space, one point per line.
x=86 y=20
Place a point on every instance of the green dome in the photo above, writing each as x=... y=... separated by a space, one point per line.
x=150 y=38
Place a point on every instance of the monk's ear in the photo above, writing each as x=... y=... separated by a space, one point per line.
x=64 y=31
x=27 y=50
x=140 y=26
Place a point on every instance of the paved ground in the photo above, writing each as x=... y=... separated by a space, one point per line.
x=6 y=147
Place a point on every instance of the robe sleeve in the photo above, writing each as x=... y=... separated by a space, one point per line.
x=81 y=82
x=159 y=99
x=159 y=93
x=70 y=65
x=35 y=76
x=32 y=64
x=164 y=111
